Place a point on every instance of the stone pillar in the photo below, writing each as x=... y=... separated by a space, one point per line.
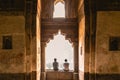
x=76 y=61
x=43 y=73
x=92 y=67
x=28 y=38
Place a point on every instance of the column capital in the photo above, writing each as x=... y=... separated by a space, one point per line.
x=76 y=58
x=44 y=44
x=75 y=44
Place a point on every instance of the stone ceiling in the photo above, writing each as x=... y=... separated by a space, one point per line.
x=12 y=5
x=19 y=5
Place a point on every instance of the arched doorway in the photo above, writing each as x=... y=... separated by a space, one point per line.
x=71 y=34
x=61 y=49
x=68 y=26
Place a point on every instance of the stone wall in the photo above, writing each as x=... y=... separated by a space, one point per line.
x=107 y=62
x=12 y=61
x=48 y=8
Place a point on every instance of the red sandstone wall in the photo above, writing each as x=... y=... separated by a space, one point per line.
x=13 y=60
x=107 y=62
x=107 y=25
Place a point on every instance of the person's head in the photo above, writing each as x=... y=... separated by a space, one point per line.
x=55 y=59
x=65 y=60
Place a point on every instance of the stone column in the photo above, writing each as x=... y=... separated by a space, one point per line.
x=76 y=61
x=92 y=75
x=43 y=73
x=28 y=38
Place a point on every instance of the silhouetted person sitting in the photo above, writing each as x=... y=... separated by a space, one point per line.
x=66 y=65
x=55 y=64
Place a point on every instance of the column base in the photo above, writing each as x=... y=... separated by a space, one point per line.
x=43 y=76
x=75 y=76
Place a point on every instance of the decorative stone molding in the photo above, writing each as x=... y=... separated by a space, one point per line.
x=68 y=27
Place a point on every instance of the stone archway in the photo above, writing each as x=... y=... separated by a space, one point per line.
x=70 y=29
x=60 y=48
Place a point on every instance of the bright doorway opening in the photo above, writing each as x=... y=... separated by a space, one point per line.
x=61 y=49
x=59 y=10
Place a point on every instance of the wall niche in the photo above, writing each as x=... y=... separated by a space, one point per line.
x=114 y=44
x=7 y=42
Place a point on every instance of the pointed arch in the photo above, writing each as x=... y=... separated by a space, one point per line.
x=59 y=9
x=56 y=1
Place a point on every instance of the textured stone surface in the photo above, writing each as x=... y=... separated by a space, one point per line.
x=81 y=19
x=12 y=76
x=107 y=76
x=48 y=8
x=13 y=60
x=55 y=75
x=107 y=25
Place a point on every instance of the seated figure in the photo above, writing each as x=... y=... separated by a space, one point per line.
x=55 y=64
x=66 y=65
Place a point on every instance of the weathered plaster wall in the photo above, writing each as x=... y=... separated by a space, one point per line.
x=12 y=61
x=107 y=62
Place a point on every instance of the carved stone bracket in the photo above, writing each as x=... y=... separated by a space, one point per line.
x=68 y=28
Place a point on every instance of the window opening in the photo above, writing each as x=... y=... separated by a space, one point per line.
x=7 y=42
x=59 y=10
x=114 y=44
x=60 y=49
